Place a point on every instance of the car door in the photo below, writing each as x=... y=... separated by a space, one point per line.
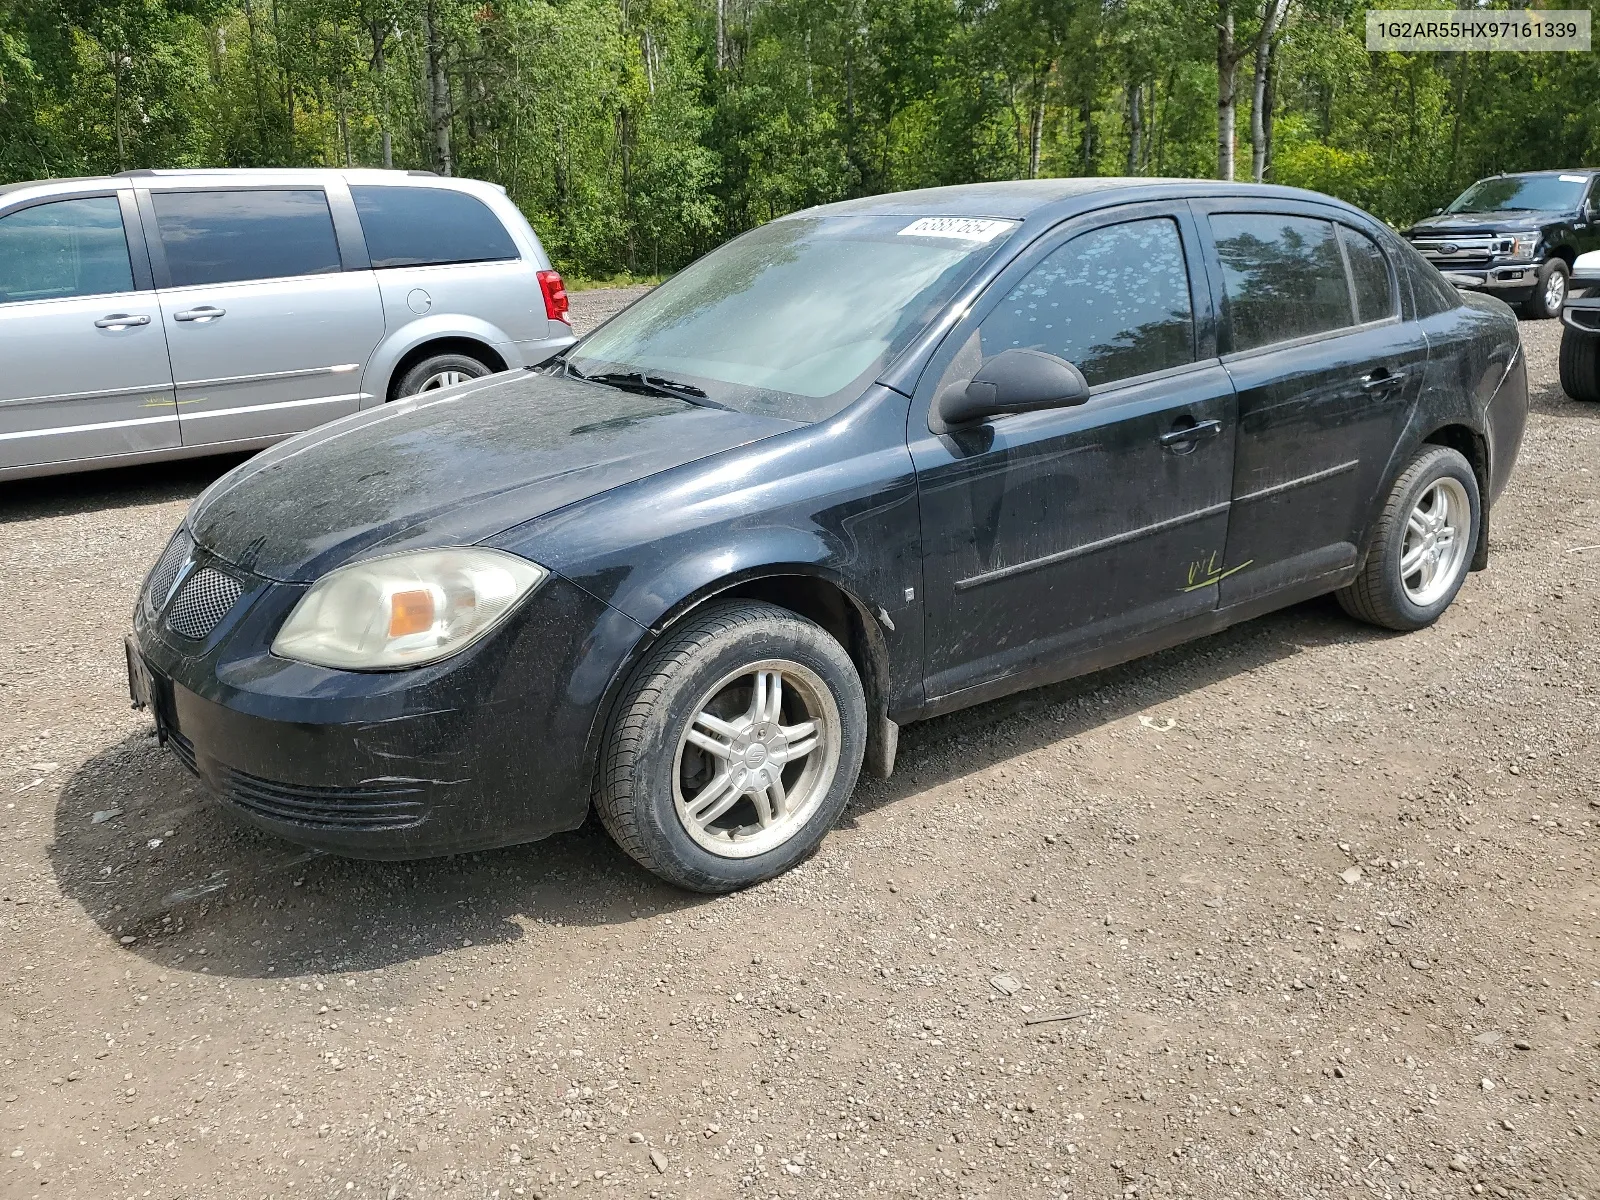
x=1055 y=541
x=267 y=323
x=1326 y=371
x=86 y=371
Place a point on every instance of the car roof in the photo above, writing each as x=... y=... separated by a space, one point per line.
x=202 y=175
x=1590 y=171
x=1022 y=199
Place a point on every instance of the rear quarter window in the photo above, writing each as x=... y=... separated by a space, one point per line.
x=1430 y=291
x=420 y=227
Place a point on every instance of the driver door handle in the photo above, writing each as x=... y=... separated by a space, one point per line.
x=1381 y=379
x=121 y=321
x=1189 y=434
x=206 y=312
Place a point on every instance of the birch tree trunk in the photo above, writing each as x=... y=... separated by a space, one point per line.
x=438 y=94
x=1135 y=126
x=1272 y=13
x=1227 y=90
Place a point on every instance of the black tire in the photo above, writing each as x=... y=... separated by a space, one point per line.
x=1580 y=365
x=430 y=370
x=1379 y=595
x=1537 y=306
x=640 y=780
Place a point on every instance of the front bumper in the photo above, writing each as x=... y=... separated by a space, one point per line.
x=492 y=747
x=1509 y=282
x=1582 y=313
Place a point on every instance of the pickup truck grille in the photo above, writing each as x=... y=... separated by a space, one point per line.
x=1474 y=251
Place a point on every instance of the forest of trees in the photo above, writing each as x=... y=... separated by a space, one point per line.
x=637 y=134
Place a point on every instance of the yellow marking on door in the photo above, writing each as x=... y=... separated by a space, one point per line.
x=1203 y=573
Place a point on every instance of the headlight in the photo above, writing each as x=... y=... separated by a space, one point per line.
x=405 y=610
x=1524 y=244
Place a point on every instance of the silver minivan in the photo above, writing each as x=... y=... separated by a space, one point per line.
x=160 y=314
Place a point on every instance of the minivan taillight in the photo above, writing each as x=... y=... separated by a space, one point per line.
x=555 y=295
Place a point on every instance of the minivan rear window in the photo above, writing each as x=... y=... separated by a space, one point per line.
x=420 y=227
x=226 y=236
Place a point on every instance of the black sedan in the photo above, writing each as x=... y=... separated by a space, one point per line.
x=864 y=465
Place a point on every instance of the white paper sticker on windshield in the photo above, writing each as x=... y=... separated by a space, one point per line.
x=966 y=229
x=1574 y=179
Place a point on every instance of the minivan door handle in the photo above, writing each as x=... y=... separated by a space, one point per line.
x=206 y=312
x=121 y=321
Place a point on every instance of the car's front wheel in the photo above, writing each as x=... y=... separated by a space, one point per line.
x=735 y=747
x=1549 y=291
x=1422 y=546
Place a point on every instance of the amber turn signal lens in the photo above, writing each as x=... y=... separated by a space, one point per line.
x=410 y=612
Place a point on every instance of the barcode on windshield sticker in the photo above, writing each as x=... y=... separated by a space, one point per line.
x=967 y=229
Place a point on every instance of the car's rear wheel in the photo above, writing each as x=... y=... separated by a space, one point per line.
x=1549 y=291
x=1580 y=365
x=735 y=747
x=441 y=371
x=1422 y=546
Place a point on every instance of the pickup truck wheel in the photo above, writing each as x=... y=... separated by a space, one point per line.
x=1580 y=365
x=1422 y=545
x=1549 y=292
x=734 y=749
x=441 y=371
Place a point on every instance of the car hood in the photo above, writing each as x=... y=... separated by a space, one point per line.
x=1483 y=222
x=454 y=468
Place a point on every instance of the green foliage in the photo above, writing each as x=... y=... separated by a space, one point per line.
x=636 y=134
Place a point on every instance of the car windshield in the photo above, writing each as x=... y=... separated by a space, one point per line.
x=793 y=318
x=1552 y=193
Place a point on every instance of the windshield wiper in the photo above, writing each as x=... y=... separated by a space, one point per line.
x=640 y=381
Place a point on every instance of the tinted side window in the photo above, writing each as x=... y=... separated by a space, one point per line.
x=415 y=227
x=1369 y=272
x=1430 y=291
x=67 y=248
x=224 y=236
x=1283 y=277
x=1114 y=302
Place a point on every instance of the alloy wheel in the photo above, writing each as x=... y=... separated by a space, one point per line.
x=1437 y=542
x=757 y=758
x=1555 y=293
x=444 y=379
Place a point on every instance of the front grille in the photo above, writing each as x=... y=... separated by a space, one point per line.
x=184 y=749
x=1472 y=252
x=384 y=807
x=158 y=587
x=203 y=600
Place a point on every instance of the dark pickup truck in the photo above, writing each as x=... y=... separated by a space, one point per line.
x=1516 y=236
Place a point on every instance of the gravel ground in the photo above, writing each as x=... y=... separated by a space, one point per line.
x=1301 y=909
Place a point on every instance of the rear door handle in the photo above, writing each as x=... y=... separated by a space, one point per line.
x=206 y=312
x=121 y=321
x=1381 y=378
x=1189 y=434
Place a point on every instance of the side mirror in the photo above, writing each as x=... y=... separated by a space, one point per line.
x=1436 y=212
x=1013 y=381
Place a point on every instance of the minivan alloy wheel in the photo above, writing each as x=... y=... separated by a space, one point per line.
x=1436 y=546
x=757 y=758
x=443 y=379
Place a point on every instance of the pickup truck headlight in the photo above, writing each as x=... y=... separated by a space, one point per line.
x=1524 y=244
x=406 y=609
